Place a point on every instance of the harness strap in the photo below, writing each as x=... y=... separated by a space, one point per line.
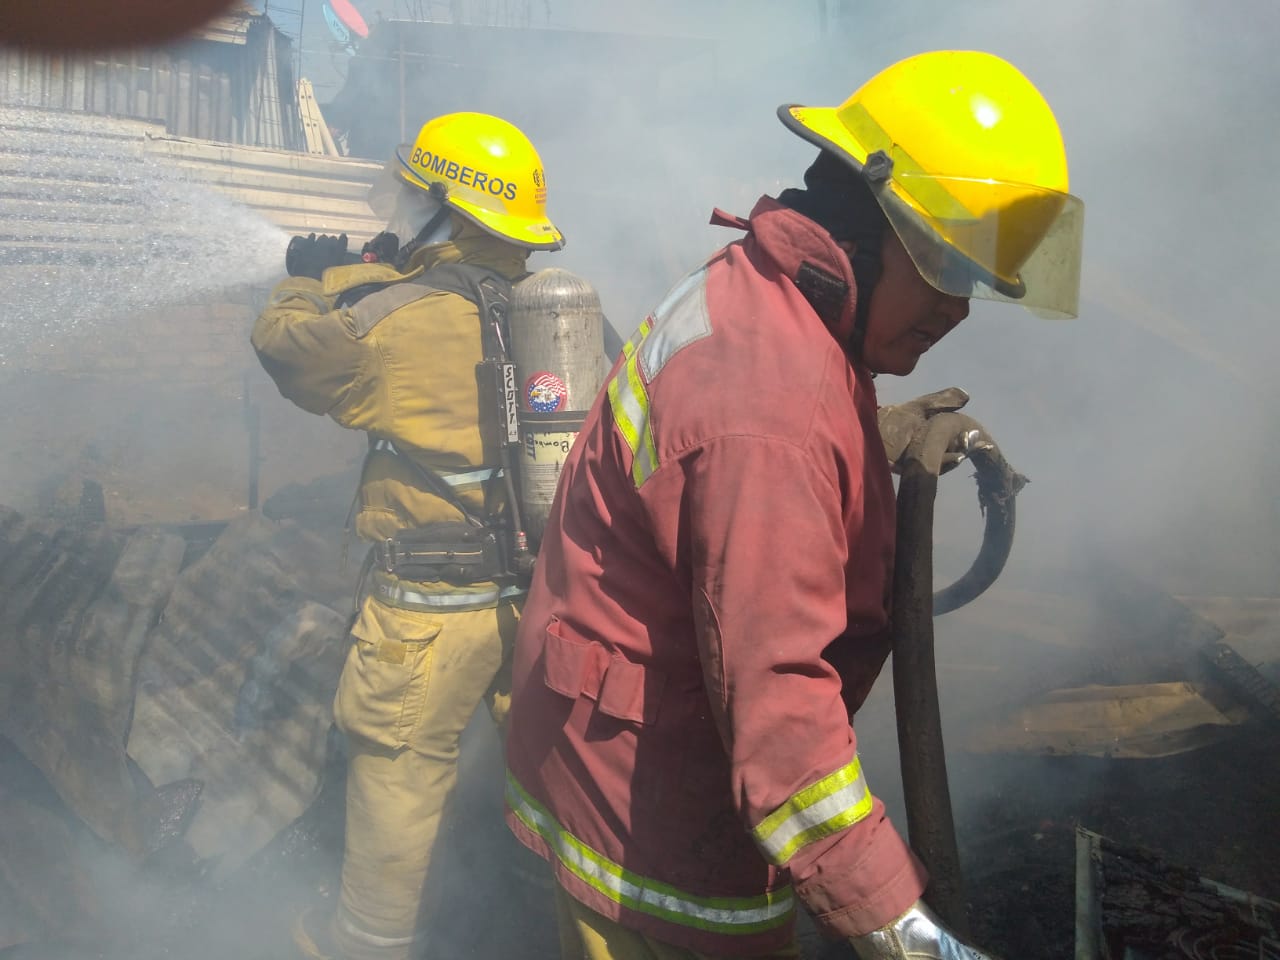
x=490 y=291
x=434 y=482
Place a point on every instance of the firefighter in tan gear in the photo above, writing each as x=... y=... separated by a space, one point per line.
x=391 y=348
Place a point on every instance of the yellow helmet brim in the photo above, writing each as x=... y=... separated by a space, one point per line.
x=536 y=234
x=967 y=237
x=822 y=127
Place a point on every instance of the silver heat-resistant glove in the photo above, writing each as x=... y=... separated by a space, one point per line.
x=916 y=935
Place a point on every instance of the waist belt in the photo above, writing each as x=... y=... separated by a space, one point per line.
x=452 y=552
x=394 y=593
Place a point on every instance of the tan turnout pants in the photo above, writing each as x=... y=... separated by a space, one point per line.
x=587 y=935
x=411 y=682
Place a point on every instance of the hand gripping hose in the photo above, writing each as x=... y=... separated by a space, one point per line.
x=930 y=825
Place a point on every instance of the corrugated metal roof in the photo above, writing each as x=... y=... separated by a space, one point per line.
x=298 y=192
x=65 y=180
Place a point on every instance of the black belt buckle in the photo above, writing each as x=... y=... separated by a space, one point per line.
x=389 y=557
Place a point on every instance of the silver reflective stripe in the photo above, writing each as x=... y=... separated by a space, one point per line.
x=681 y=319
x=364 y=936
x=452 y=479
x=835 y=802
x=397 y=594
x=727 y=915
x=474 y=476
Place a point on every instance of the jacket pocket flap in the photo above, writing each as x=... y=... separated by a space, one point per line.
x=631 y=692
x=575 y=667
x=565 y=661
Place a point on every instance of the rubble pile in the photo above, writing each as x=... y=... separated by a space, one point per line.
x=170 y=705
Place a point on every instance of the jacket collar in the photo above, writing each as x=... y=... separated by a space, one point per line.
x=472 y=245
x=807 y=256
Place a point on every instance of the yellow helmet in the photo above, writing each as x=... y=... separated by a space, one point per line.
x=490 y=173
x=966 y=159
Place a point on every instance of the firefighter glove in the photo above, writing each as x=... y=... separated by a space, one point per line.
x=311 y=256
x=900 y=422
x=916 y=935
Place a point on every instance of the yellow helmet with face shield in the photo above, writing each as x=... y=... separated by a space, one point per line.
x=486 y=169
x=966 y=160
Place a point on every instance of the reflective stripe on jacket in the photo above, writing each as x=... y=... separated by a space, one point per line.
x=709 y=605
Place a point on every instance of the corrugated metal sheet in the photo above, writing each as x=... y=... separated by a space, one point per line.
x=232 y=83
x=55 y=207
x=300 y=193
x=186 y=94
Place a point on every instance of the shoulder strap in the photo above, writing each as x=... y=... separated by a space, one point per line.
x=464 y=279
x=489 y=290
x=431 y=480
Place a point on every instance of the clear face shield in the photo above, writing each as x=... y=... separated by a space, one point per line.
x=1010 y=242
x=405 y=207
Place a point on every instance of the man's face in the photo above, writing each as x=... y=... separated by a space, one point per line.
x=907 y=316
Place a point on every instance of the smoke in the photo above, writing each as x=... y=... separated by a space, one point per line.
x=1145 y=425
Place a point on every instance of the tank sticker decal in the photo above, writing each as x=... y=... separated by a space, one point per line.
x=545 y=392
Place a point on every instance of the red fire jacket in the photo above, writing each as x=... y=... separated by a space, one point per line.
x=710 y=605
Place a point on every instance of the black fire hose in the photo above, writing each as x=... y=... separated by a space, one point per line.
x=930 y=825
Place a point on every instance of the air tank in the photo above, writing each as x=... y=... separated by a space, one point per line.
x=557 y=343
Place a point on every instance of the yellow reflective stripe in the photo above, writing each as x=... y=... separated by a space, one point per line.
x=637 y=338
x=624 y=406
x=629 y=402
x=728 y=915
x=645 y=459
x=836 y=801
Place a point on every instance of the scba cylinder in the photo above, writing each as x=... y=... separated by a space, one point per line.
x=557 y=342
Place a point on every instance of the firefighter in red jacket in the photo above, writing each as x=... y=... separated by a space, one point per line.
x=711 y=601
